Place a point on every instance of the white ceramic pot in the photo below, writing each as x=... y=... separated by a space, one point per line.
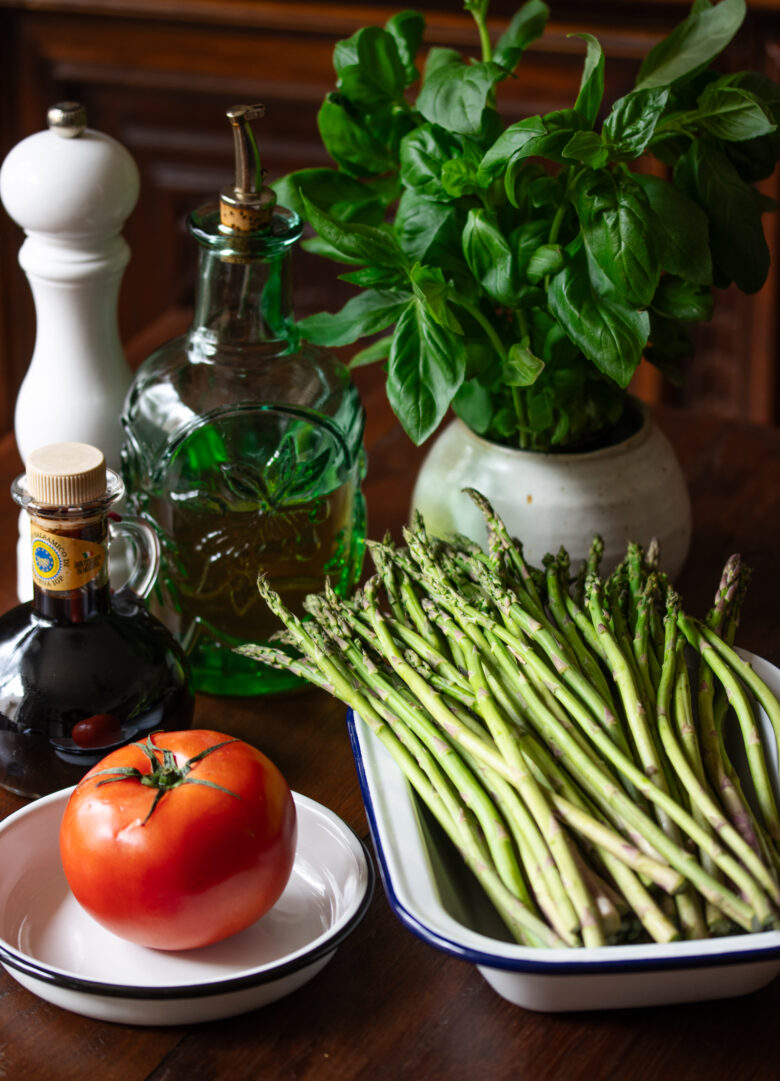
x=632 y=491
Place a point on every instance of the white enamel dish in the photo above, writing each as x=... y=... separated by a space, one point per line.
x=436 y=897
x=53 y=948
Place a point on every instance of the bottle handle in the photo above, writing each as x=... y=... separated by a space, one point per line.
x=145 y=548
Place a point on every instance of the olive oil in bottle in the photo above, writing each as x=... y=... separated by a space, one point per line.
x=243 y=445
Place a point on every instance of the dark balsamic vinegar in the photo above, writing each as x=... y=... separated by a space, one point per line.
x=56 y=675
x=82 y=670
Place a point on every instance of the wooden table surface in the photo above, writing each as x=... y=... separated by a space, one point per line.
x=388 y=1007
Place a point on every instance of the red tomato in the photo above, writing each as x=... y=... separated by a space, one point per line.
x=99 y=730
x=184 y=852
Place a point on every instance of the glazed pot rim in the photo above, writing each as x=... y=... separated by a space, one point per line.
x=635 y=439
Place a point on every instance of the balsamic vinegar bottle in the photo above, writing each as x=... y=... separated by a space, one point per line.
x=82 y=670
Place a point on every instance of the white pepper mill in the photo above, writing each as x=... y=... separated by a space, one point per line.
x=71 y=189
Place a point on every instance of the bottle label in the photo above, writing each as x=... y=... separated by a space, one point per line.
x=60 y=563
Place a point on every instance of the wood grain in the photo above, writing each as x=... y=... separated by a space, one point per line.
x=388 y=1007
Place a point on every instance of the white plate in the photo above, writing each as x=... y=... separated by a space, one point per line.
x=51 y=946
x=434 y=895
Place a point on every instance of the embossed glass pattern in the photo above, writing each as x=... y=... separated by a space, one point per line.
x=243 y=448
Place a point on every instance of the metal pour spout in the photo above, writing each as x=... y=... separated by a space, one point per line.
x=248 y=205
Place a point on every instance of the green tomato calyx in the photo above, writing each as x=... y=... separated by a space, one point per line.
x=165 y=774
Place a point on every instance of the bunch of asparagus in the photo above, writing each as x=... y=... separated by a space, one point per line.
x=574 y=736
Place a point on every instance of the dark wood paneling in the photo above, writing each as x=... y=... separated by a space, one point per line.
x=159 y=74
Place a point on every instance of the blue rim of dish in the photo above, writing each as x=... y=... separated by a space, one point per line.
x=574 y=967
x=203 y=990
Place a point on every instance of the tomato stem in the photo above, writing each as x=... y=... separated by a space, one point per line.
x=166 y=774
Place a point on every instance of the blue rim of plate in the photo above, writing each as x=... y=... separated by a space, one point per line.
x=760 y=952
x=271 y=974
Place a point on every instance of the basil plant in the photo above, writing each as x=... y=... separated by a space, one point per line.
x=519 y=273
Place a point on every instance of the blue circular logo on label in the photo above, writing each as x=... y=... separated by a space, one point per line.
x=46 y=560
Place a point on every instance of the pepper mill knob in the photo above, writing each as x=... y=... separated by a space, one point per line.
x=67 y=119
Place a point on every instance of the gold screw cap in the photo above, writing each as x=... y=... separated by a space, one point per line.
x=66 y=474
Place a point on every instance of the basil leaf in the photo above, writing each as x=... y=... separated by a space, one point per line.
x=511 y=139
x=562 y=429
x=371 y=212
x=632 y=121
x=526 y=26
x=345 y=53
x=407 y=28
x=473 y=403
x=429 y=232
x=537 y=136
x=325 y=188
x=429 y=285
x=367 y=313
x=492 y=126
x=387 y=188
x=539 y=409
x=503 y=425
x=587 y=147
x=480 y=357
x=620 y=234
x=525 y=240
x=545 y=191
x=528 y=297
x=609 y=332
x=522 y=368
x=591 y=89
x=426 y=366
x=526 y=180
x=755 y=159
x=561 y=353
x=684 y=230
x=548 y=259
x=454 y=96
x=349 y=141
x=559 y=127
x=683 y=300
x=489 y=256
x=357 y=84
x=377 y=76
x=440 y=58
x=364 y=242
x=733 y=113
x=739 y=249
x=459 y=177
x=368 y=212
x=378 y=350
x=315 y=245
x=693 y=44
x=423 y=154
x=374 y=277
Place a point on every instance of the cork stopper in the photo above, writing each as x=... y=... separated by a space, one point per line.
x=249 y=216
x=66 y=474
